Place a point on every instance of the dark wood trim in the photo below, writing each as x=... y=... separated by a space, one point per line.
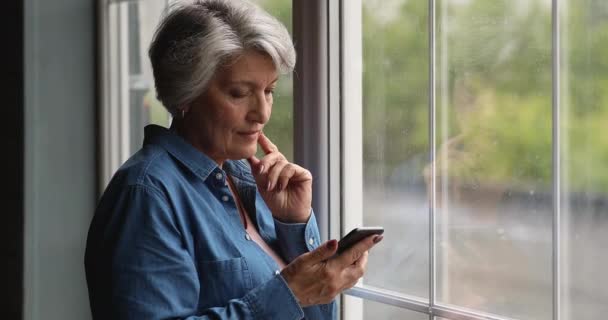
x=12 y=141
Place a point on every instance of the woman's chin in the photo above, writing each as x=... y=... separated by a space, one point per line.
x=244 y=153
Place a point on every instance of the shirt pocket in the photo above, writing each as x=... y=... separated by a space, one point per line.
x=223 y=280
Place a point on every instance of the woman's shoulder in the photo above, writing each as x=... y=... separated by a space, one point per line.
x=151 y=166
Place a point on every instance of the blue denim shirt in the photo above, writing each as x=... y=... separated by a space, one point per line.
x=167 y=242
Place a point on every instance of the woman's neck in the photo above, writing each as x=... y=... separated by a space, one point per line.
x=190 y=136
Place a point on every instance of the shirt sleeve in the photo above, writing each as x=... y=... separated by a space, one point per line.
x=153 y=276
x=296 y=239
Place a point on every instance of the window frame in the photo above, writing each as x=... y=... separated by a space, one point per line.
x=115 y=85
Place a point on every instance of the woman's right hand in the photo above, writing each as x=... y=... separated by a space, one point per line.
x=317 y=277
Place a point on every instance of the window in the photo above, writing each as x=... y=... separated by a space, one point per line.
x=493 y=169
x=128 y=97
x=280 y=127
x=480 y=150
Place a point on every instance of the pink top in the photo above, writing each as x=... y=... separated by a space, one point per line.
x=255 y=236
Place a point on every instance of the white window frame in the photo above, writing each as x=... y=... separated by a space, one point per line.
x=113 y=116
x=115 y=85
x=319 y=143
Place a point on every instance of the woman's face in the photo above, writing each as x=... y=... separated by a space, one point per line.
x=226 y=120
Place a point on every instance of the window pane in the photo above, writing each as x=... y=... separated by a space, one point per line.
x=142 y=18
x=584 y=156
x=395 y=142
x=280 y=127
x=494 y=156
x=373 y=310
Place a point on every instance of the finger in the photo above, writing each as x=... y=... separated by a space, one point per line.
x=322 y=253
x=254 y=163
x=356 y=271
x=362 y=262
x=267 y=145
x=354 y=253
x=350 y=284
x=292 y=173
x=253 y=160
x=288 y=172
x=274 y=172
x=268 y=161
x=300 y=173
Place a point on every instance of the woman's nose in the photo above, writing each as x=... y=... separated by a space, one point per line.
x=261 y=109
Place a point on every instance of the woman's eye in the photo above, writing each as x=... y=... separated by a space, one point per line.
x=269 y=91
x=237 y=93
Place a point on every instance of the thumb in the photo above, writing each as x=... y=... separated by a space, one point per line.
x=324 y=252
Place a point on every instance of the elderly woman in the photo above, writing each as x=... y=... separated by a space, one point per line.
x=194 y=226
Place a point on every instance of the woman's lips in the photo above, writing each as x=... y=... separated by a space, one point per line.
x=252 y=135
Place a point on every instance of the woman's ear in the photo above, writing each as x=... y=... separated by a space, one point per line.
x=183 y=110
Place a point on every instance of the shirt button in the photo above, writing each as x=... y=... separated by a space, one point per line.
x=311 y=241
x=225 y=198
x=247 y=236
x=277 y=272
x=219 y=176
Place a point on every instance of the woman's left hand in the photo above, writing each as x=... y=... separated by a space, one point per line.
x=286 y=187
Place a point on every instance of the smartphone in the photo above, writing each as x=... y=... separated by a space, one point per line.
x=356 y=235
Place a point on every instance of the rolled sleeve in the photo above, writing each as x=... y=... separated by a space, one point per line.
x=296 y=239
x=274 y=300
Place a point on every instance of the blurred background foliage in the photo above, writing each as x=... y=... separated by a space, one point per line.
x=494 y=90
x=280 y=127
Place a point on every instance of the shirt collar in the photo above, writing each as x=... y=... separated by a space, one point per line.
x=198 y=162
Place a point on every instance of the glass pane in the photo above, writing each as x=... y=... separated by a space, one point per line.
x=584 y=156
x=141 y=19
x=373 y=310
x=494 y=157
x=280 y=127
x=395 y=142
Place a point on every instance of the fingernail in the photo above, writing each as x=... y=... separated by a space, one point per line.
x=268 y=187
x=279 y=186
x=261 y=169
x=332 y=244
x=378 y=239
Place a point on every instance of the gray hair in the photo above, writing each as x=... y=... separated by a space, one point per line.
x=196 y=37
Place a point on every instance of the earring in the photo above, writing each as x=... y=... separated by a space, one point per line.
x=183 y=113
